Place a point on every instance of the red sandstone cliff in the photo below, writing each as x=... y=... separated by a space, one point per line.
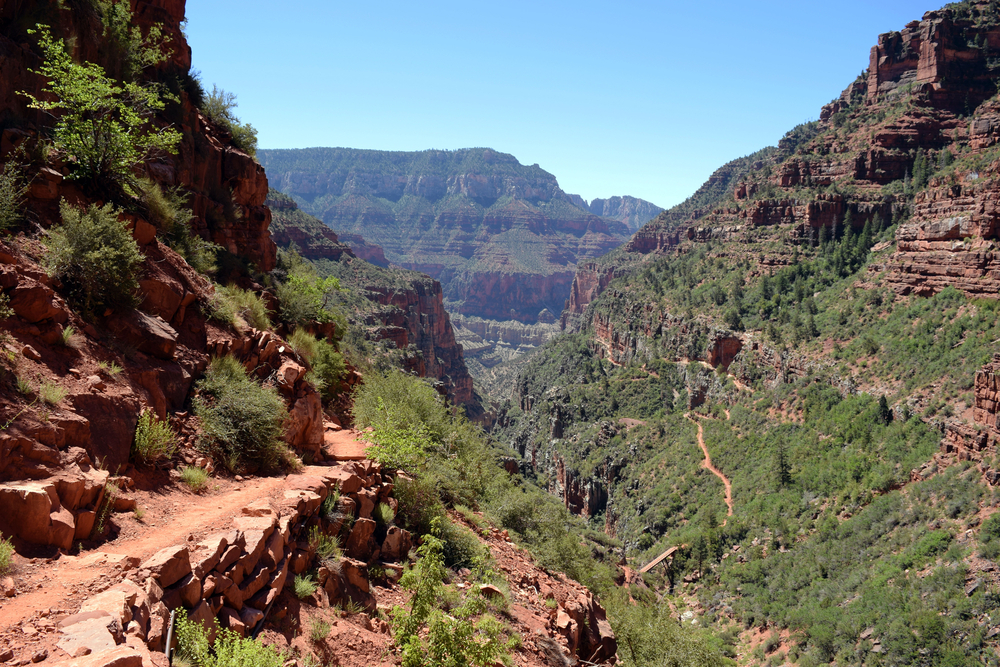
x=404 y=307
x=227 y=188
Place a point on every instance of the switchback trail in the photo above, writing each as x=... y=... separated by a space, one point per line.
x=707 y=464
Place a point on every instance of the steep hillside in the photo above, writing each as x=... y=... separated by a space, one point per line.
x=398 y=310
x=503 y=238
x=790 y=377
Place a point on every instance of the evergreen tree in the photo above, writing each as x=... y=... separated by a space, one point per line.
x=766 y=289
x=884 y=413
x=782 y=468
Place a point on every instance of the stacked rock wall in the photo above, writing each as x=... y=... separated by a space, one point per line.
x=235 y=575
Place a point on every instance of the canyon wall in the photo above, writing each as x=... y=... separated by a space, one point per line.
x=503 y=238
x=404 y=307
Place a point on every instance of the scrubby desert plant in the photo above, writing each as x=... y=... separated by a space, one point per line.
x=304 y=586
x=6 y=556
x=169 y=212
x=327 y=547
x=12 y=192
x=383 y=514
x=196 y=478
x=51 y=393
x=228 y=650
x=231 y=305
x=94 y=255
x=318 y=630
x=219 y=107
x=241 y=419
x=154 y=440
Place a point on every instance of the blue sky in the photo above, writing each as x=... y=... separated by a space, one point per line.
x=639 y=98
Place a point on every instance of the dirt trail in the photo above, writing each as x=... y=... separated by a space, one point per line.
x=707 y=464
x=171 y=515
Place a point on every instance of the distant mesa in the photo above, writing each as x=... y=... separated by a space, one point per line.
x=503 y=238
x=632 y=211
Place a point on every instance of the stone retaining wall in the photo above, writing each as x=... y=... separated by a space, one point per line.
x=236 y=574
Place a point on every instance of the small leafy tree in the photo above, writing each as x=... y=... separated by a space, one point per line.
x=95 y=256
x=106 y=127
x=397 y=446
x=219 y=106
x=455 y=639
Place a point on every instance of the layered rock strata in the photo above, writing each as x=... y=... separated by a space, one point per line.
x=502 y=237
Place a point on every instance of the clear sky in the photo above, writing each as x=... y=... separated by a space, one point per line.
x=613 y=98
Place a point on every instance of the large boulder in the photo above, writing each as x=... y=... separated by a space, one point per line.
x=25 y=509
x=168 y=566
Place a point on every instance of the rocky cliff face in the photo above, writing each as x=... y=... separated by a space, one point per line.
x=226 y=187
x=927 y=103
x=404 y=307
x=502 y=238
x=632 y=211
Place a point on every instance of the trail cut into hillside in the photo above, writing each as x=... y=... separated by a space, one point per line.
x=707 y=464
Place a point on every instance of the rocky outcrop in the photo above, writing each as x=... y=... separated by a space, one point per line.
x=235 y=575
x=369 y=252
x=584 y=497
x=502 y=238
x=291 y=228
x=417 y=317
x=589 y=281
x=951 y=240
x=945 y=55
x=632 y=211
x=226 y=187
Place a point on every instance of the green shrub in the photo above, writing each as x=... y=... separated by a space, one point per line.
x=304 y=297
x=395 y=446
x=383 y=514
x=51 y=393
x=304 y=343
x=6 y=555
x=241 y=420
x=319 y=629
x=990 y=530
x=229 y=649
x=401 y=400
x=231 y=305
x=461 y=547
x=452 y=639
x=328 y=509
x=196 y=478
x=168 y=211
x=304 y=586
x=419 y=504
x=154 y=441
x=327 y=547
x=219 y=106
x=103 y=125
x=651 y=635
x=328 y=370
x=328 y=367
x=94 y=255
x=12 y=191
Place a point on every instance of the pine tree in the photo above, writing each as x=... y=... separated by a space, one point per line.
x=782 y=468
x=884 y=413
